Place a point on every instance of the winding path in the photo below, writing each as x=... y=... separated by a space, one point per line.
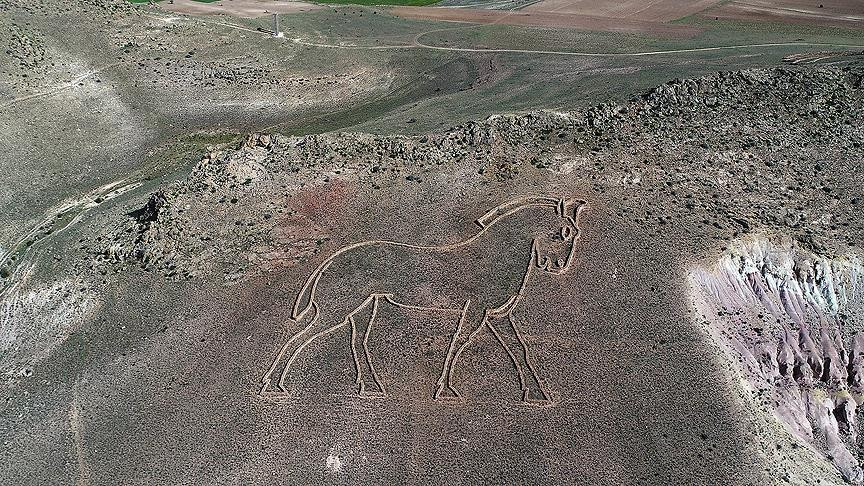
x=56 y=220
x=61 y=87
x=418 y=44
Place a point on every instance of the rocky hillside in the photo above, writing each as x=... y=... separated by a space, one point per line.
x=724 y=155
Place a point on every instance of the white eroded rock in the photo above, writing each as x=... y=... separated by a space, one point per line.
x=793 y=320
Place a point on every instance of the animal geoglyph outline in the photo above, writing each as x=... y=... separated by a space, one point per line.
x=475 y=310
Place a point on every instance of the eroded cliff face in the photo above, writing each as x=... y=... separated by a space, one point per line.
x=792 y=321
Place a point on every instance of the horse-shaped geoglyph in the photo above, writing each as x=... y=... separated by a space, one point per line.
x=477 y=281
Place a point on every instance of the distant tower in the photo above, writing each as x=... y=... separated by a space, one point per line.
x=276 y=32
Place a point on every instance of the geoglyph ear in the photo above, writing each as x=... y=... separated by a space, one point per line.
x=573 y=207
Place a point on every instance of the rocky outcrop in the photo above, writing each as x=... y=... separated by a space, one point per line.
x=792 y=322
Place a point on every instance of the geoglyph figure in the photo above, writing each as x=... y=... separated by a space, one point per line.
x=476 y=282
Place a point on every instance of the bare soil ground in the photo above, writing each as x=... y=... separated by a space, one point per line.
x=642 y=10
x=837 y=13
x=643 y=16
x=548 y=19
x=238 y=8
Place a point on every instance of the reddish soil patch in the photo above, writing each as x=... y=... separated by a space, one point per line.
x=319 y=202
x=835 y=13
x=643 y=10
x=548 y=19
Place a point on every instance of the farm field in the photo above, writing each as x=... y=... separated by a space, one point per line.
x=654 y=11
x=834 y=13
x=239 y=8
x=469 y=242
x=548 y=19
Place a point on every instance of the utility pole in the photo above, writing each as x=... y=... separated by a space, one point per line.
x=276 y=32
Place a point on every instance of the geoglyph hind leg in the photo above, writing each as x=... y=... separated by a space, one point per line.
x=321 y=325
x=278 y=366
x=368 y=383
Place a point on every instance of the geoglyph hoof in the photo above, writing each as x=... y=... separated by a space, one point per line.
x=371 y=392
x=269 y=388
x=536 y=397
x=447 y=394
